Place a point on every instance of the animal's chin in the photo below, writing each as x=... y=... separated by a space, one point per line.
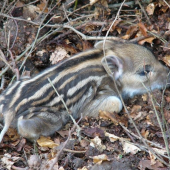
x=130 y=93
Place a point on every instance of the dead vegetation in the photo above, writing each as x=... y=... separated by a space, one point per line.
x=36 y=34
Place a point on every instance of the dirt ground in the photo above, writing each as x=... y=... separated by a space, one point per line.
x=40 y=33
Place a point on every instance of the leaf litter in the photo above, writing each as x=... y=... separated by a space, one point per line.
x=111 y=140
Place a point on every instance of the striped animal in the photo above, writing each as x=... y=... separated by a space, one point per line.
x=34 y=108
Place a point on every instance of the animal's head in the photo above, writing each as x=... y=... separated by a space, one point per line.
x=135 y=67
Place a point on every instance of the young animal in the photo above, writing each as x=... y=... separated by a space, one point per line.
x=82 y=81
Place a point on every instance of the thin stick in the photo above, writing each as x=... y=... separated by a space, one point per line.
x=4 y=4
x=85 y=37
x=60 y=97
x=143 y=10
x=104 y=42
x=2 y=57
x=158 y=119
x=166 y=3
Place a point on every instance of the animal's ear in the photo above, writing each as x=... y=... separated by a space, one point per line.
x=108 y=44
x=114 y=65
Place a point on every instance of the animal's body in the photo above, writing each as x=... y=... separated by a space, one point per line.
x=82 y=81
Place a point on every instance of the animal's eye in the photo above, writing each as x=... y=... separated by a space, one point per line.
x=145 y=70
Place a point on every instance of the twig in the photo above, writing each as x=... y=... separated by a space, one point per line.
x=85 y=16
x=116 y=18
x=30 y=3
x=33 y=45
x=15 y=34
x=30 y=47
x=4 y=4
x=131 y=120
x=10 y=7
x=137 y=39
x=158 y=119
x=46 y=3
x=104 y=42
x=85 y=37
x=79 y=9
x=162 y=104
x=166 y=3
x=58 y=154
x=65 y=13
x=138 y=137
x=15 y=69
x=119 y=4
x=2 y=56
x=2 y=82
x=63 y=148
x=59 y=96
x=78 y=127
x=143 y=10
x=112 y=77
x=157 y=36
x=73 y=151
x=28 y=21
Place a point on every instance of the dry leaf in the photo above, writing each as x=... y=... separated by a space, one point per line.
x=100 y=158
x=61 y=168
x=97 y=143
x=93 y=2
x=143 y=29
x=84 y=168
x=84 y=143
x=125 y=37
x=57 y=19
x=86 y=45
x=43 y=6
x=21 y=144
x=8 y=160
x=119 y=30
x=46 y=142
x=152 y=158
x=115 y=118
x=160 y=151
x=136 y=108
x=129 y=148
x=58 y=55
x=146 y=164
x=149 y=40
x=112 y=137
x=145 y=97
x=31 y=12
x=131 y=31
x=145 y=133
x=25 y=75
x=166 y=59
x=93 y=132
x=100 y=11
x=48 y=163
x=150 y=9
x=63 y=133
x=138 y=116
x=34 y=161
x=89 y=28
x=13 y=134
x=19 y=4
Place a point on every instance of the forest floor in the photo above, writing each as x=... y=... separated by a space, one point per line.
x=37 y=34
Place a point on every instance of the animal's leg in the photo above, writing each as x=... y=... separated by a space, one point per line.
x=8 y=118
x=105 y=103
x=41 y=123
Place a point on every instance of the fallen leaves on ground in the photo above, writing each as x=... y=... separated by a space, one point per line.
x=102 y=143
